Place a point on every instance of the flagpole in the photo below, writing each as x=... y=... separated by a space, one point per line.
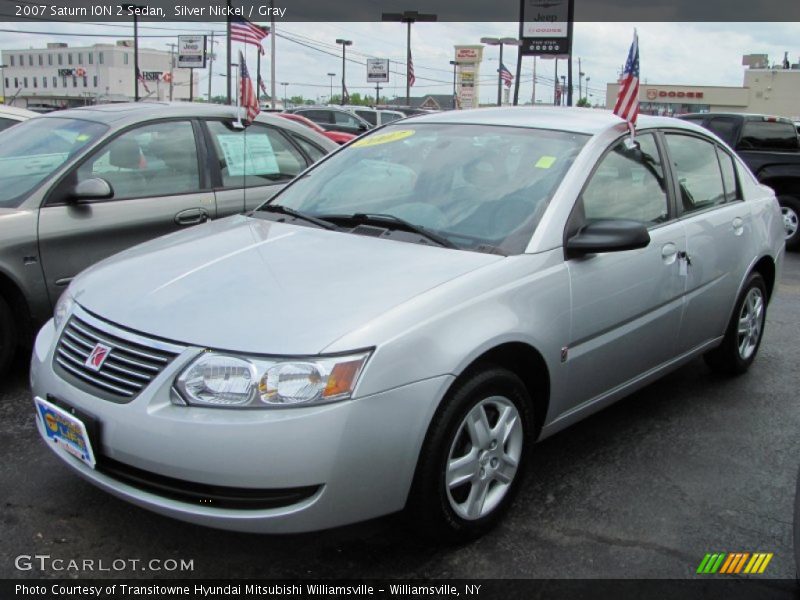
x=569 y=52
x=519 y=55
x=258 y=76
x=228 y=50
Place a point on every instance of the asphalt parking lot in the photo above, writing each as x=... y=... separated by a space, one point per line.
x=692 y=464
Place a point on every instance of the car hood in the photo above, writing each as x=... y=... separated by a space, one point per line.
x=251 y=285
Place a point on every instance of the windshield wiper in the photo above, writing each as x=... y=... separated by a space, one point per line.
x=290 y=212
x=386 y=219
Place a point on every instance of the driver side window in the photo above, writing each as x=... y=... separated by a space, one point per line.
x=628 y=184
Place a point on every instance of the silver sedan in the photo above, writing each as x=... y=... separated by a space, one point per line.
x=398 y=326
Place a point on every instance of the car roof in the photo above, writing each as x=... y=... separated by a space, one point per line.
x=127 y=113
x=744 y=116
x=577 y=120
x=17 y=113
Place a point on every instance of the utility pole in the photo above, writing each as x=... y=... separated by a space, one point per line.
x=210 y=67
x=533 y=94
x=580 y=80
x=228 y=54
x=133 y=8
x=556 y=95
x=377 y=93
x=331 y=75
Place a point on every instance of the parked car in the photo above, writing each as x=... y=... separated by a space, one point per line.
x=771 y=148
x=335 y=136
x=13 y=115
x=333 y=119
x=79 y=185
x=374 y=116
x=397 y=327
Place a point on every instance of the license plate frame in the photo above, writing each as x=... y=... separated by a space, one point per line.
x=65 y=431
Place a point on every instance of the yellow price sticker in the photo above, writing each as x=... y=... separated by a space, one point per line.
x=545 y=162
x=82 y=137
x=383 y=138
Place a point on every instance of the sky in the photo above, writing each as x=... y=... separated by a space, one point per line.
x=671 y=53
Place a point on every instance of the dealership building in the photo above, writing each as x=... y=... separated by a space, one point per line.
x=772 y=91
x=63 y=76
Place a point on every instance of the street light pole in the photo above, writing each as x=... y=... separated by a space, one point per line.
x=344 y=44
x=133 y=8
x=331 y=75
x=408 y=17
x=454 y=63
x=285 y=85
x=171 y=67
x=493 y=41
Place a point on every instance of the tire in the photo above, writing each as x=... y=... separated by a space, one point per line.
x=497 y=401
x=790 y=210
x=739 y=348
x=8 y=336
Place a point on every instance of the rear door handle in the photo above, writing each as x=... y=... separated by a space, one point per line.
x=191 y=216
x=738 y=226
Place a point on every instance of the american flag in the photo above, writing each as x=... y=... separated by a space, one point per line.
x=262 y=86
x=411 y=78
x=247 y=94
x=506 y=75
x=627 y=106
x=243 y=30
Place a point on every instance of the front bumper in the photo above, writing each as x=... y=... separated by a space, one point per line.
x=357 y=457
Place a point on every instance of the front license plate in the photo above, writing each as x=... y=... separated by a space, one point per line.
x=65 y=431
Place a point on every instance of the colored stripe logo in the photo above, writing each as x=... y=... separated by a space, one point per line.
x=729 y=563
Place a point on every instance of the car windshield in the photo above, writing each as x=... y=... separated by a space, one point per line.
x=477 y=186
x=32 y=151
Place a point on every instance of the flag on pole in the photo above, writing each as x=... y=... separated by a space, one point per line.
x=627 y=106
x=506 y=75
x=262 y=86
x=140 y=77
x=244 y=31
x=247 y=94
x=346 y=97
x=411 y=78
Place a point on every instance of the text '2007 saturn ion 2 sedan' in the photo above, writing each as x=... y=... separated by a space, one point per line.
x=396 y=328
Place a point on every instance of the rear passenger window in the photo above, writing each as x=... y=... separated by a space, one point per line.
x=724 y=128
x=699 y=178
x=153 y=160
x=729 y=179
x=255 y=156
x=768 y=135
x=628 y=184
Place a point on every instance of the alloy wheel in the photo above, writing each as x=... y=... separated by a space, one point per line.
x=790 y=221
x=484 y=457
x=751 y=321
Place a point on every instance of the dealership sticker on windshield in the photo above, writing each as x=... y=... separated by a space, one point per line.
x=545 y=162
x=65 y=431
x=384 y=138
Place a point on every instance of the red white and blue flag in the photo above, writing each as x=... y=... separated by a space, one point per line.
x=247 y=93
x=506 y=75
x=627 y=106
x=411 y=78
x=244 y=31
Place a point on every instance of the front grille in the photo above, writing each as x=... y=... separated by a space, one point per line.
x=131 y=362
x=203 y=494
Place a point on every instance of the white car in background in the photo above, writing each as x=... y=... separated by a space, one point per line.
x=11 y=115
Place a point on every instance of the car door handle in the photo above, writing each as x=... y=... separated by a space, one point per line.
x=669 y=252
x=191 y=216
x=738 y=226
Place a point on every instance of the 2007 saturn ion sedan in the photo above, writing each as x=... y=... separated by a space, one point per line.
x=398 y=326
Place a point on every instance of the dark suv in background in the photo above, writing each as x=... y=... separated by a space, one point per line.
x=333 y=119
x=770 y=146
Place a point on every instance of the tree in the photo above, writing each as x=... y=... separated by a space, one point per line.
x=584 y=102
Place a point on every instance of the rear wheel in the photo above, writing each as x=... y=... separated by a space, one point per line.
x=745 y=330
x=790 y=210
x=472 y=460
x=8 y=336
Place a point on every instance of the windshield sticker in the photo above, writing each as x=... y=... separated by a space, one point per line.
x=82 y=137
x=384 y=138
x=256 y=158
x=545 y=162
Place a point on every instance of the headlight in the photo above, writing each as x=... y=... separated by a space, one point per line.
x=222 y=380
x=63 y=307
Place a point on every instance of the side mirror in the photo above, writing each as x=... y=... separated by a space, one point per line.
x=608 y=236
x=362 y=127
x=89 y=190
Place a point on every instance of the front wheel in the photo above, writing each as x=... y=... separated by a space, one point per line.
x=472 y=459
x=745 y=330
x=790 y=211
